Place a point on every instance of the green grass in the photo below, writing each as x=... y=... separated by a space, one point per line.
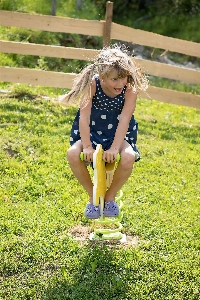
x=40 y=202
x=174 y=85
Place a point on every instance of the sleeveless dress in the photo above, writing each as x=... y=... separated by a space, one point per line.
x=104 y=120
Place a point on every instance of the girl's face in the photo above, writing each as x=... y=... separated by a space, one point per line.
x=112 y=84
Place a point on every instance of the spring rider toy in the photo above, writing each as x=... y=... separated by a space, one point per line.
x=103 y=175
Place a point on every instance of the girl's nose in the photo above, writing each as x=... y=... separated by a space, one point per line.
x=120 y=82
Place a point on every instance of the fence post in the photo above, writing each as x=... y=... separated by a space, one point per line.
x=108 y=23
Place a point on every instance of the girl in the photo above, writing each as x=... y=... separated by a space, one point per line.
x=107 y=90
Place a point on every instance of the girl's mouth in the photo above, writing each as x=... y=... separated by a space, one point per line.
x=118 y=90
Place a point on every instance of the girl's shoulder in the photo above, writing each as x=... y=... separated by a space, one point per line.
x=93 y=86
x=130 y=93
x=96 y=78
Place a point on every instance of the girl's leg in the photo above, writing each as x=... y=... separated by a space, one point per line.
x=79 y=168
x=122 y=172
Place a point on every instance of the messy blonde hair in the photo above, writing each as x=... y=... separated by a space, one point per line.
x=109 y=58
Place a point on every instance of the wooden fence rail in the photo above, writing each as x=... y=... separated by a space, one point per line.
x=65 y=80
x=152 y=67
x=96 y=28
x=108 y=30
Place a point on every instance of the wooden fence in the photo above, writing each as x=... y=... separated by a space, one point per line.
x=109 y=31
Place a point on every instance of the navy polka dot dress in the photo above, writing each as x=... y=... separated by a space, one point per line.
x=104 y=121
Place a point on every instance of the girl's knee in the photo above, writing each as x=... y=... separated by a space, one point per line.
x=127 y=160
x=72 y=155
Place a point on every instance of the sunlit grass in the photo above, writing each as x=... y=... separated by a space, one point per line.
x=41 y=201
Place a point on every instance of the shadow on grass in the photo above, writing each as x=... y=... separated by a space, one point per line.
x=37 y=116
x=21 y=111
x=36 y=107
x=21 y=106
x=101 y=274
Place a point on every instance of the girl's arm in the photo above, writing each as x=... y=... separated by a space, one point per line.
x=84 y=124
x=126 y=114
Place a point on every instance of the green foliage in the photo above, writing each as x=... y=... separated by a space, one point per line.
x=64 y=8
x=168 y=18
x=46 y=38
x=69 y=8
x=164 y=17
x=36 y=6
x=169 y=26
x=40 y=202
x=11 y=5
x=7 y=60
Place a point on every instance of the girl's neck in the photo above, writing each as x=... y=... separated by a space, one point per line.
x=106 y=91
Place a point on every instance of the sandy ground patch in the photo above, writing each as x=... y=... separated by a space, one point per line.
x=81 y=234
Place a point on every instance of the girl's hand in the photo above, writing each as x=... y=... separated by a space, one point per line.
x=110 y=155
x=88 y=153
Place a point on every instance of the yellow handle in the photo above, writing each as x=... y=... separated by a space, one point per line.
x=118 y=157
x=82 y=156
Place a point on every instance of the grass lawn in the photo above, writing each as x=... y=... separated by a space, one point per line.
x=40 y=202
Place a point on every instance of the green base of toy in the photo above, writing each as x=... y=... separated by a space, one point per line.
x=108 y=233
x=108 y=236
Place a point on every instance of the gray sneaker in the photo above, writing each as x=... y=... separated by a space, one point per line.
x=111 y=209
x=91 y=211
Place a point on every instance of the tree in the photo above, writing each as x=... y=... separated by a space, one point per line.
x=53 y=8
x=79 y=4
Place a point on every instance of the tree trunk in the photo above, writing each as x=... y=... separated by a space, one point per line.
x=79 y=4
x=53 y=8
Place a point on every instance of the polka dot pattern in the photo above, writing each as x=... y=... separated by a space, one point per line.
x=104 y=119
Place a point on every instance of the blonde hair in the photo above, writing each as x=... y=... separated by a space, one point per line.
x=109 y=58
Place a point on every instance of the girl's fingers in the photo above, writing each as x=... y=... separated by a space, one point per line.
x=109 y=158
x=88 y=157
